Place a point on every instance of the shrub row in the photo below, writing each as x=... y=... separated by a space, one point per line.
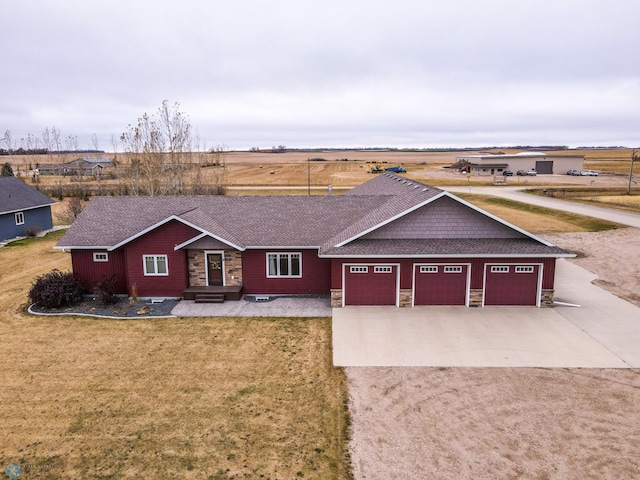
x=58 y=289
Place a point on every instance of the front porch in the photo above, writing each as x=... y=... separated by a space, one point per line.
x=231 y=292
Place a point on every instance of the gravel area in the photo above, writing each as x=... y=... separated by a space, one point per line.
x=124 y=308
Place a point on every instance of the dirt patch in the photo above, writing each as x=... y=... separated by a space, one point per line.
x=464 y=423
x=613 y=255
x=486 y=423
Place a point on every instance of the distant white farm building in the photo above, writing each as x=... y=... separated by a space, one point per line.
x=495 y=164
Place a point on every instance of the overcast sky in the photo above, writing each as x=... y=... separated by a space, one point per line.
x=327 y=73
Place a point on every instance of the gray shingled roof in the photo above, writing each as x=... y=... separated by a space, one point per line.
x=332 y=223
x=400 y=194
x=241 y=221
x=454 y=247
x=15 y=195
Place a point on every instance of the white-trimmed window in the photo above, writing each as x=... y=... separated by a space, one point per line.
x=524 y=269
x=429 y=269
x=359 y=269
x=500 y=269
x=383 y=269
x=284 y=265
x=155 y=265
x=100 y=257
x=20 y=218
x=453 y=269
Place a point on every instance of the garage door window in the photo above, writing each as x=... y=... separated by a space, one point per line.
x=522 y=269
x=359 y=269
x=382 y=269
x=500 y=269
x=429 y=269
x=456 y=269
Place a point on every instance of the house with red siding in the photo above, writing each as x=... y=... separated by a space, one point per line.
x=389 y=241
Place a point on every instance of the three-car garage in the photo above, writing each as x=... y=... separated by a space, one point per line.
x=441 y=283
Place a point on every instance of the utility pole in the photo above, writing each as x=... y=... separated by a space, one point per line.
x=633 y=157
x=309 y=176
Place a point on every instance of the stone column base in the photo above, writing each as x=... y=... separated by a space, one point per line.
x=475 y=298
x=546 y=298
x=336 y=298
x=406 y=298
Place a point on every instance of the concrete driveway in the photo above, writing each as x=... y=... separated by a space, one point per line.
x=603 y=332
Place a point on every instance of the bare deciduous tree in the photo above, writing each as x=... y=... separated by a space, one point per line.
x=159 y=152
x=71 y=211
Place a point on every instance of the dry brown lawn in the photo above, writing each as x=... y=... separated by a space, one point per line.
x=169 y=398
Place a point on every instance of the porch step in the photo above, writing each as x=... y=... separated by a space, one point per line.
x=209 y=298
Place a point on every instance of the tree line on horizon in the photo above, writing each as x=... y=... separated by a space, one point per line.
x=158 y=151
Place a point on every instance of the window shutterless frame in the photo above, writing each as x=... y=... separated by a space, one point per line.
x=284 y=265
x=20 y=218
x=100 y=257
x=155 y=265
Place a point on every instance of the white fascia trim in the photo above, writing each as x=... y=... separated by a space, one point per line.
x=457 y=255
x=389 y=220
x=280 y=247
x=27 y=208
x=206 y=234
x=83 y=247
x=499 y=220
x=159 y=224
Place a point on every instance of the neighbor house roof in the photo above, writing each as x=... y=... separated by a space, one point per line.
x=335 y=225
x=15 y=195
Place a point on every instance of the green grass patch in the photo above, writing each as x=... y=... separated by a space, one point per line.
x=538 y=218
x=25 y=242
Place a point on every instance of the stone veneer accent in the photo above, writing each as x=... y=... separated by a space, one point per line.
x=336 y=298
x=197 y=266
x=406 y=298
x=546 y=298
x=475 y=298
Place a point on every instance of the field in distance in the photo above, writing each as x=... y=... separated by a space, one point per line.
x=348 y=168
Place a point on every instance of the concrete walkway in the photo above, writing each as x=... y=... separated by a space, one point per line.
x=604 y=332
x=279 y=307
x=515 y=193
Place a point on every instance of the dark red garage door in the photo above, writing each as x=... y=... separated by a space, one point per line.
x=511 y=285
x=440 y=285
x=370 y=284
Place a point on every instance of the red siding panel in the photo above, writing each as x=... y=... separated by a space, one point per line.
x=316 y=275
x=160 y=241
x=90 y=272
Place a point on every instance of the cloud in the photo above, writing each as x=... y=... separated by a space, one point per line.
x=344 y=71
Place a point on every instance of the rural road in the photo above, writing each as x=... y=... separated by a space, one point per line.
x=517 y=194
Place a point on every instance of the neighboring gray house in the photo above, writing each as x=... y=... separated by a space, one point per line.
x=23 y=209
